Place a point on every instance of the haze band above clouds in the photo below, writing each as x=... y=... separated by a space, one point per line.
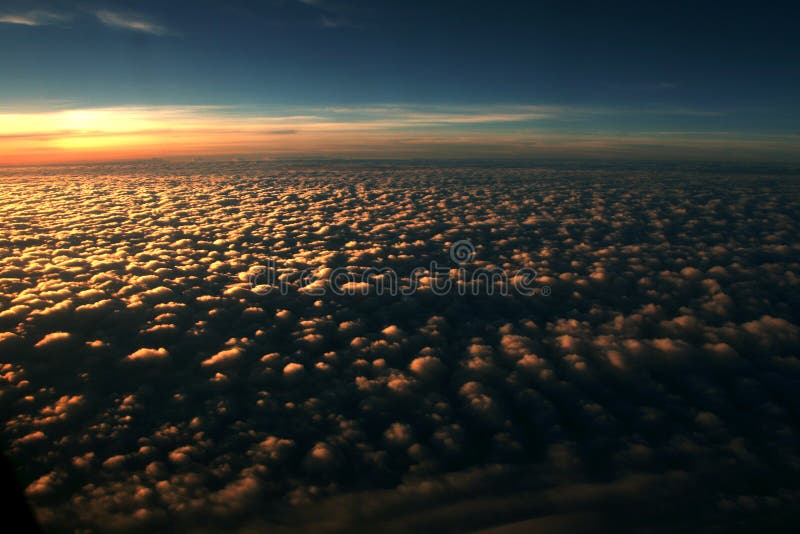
x=130 y=132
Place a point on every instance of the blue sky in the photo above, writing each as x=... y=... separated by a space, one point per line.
x=613 y=69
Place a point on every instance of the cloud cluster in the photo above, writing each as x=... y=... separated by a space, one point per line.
x=144 y=384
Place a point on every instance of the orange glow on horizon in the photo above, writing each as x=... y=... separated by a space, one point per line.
x=138 y=132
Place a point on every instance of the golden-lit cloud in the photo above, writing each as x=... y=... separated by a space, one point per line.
x=134 y=325
x=134 y=132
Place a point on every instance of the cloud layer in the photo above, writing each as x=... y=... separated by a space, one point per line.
x=144 y=385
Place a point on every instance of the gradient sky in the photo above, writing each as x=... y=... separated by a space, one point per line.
x=352 y=78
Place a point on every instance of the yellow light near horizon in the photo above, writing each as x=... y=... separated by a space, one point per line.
x=92 y=131
x=92 y=142
x=129 y=132
x=43 y=127
x=104 y=120
x=83 y=120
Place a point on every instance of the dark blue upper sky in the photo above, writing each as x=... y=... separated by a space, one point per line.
x=713 y=66
x=327 y=51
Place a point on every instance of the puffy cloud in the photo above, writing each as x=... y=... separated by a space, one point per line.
x=223 y=356
x=426 y=367
x=293 y=369
x=322 y=458
x=146 y=354
x=53 y=338
x=43 y=485
x=399 y=434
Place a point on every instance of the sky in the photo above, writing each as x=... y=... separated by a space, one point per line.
x=91 y=80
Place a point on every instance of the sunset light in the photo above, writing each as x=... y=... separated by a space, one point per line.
x=394 y=266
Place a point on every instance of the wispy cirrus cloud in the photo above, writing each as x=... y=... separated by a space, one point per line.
x=116 y=19
x=33 y=18
x=337 y=22
x=332 y=14
x=130 y=21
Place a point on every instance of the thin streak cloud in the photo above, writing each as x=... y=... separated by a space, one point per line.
x=130 y=22
x=33 y=18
